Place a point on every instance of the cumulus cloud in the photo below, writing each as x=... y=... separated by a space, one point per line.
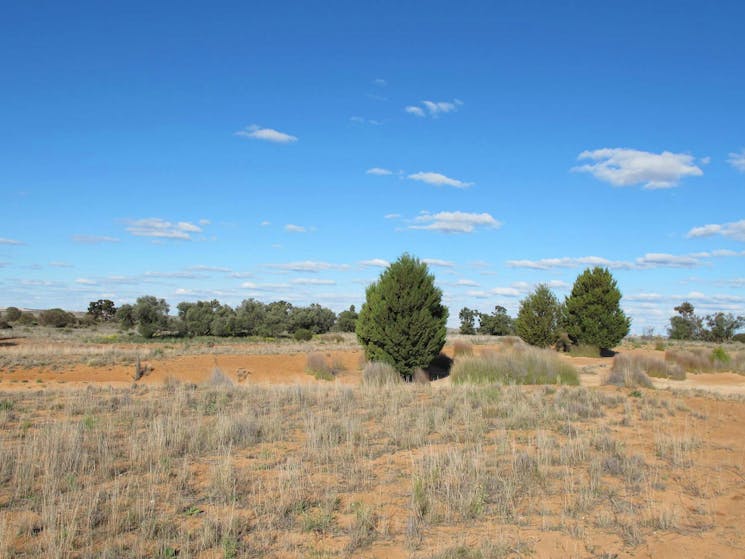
x=433 y=108
x=628 y=167
x=307 y=266
x=438 y=179
x=256 y=132
x=737 y=160
x=455 y=222
x=162 y=229
x=375 y=263
x=379 y=171
x=4 y=241
x=733 y=230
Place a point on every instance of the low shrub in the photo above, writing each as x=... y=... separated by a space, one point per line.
x=219 y=379
x=719 y=355
x=377 y=373
x=515 y=366
x=318 y=366
x=303 y=335
x=584 y=350
x=627 y=371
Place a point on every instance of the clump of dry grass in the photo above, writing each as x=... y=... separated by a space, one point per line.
x=318 y=366
x=461 y=348
x=654 y=367
x=377 y=373
x=628 y=370
x=520 y=365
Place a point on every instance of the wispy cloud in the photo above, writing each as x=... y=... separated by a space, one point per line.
x=466 y=283
x=5 y=241
x=313 y=281
x=174 y=275
x=437 y=262
x=378 y=171
x=646 y=262
x=292 y=228
x=307 y=266
x=256 y=132
x=628 y=167
x=86 y=281
x=438 y=179
x=204 y=268
x=363 y=120
x=60 y=264
x=392 y=216
x=433 y=108
x=737 y=160
x=380 y=82
x=94 y=239
x=455 y=222
x=733 y=230
x=375 y=263
x=160 y=228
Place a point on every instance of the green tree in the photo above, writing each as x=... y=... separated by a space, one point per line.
x=402 y=322
x=499 y=323
x=12 y=314
x=103 y=309
x=467 y=319
x=315 y=318
x=722 y=327
x=593 y=314
x=150 y=314
x=539 y=316
x=57 y=318
x=276 y=319
x=125 y=316
x=685 y=325
x=346 y=320
x=248 y=318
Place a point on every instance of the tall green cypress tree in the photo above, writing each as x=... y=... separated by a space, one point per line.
x=402 y=322
x=537 y=321
x=592 y=312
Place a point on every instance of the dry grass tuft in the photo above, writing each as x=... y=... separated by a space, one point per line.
x=627 y=370
x=520 y=365
x=379 y=374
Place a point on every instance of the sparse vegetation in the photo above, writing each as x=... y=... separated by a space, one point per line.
x=515 y=366
x=628 y=371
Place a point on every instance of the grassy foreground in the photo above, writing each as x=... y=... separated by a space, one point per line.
x=390 y=471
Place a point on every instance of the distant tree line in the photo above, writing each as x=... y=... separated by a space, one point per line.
x=718 y=327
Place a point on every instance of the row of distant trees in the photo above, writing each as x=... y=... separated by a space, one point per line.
x=150 y=316
x=718 y=327
x=590 y=315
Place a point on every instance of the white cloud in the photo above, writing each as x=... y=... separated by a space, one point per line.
x=265 y=223
x=466 y=283
x=437 y=262
x=733 y=230
x=661 y=260
x=265 y=286
x=379 y=171
x=308 y=266
x=455 y=222
x=392 y=216
x=85 y=281
x=256 y=132
x=644 y=297
x=4 y=241
x=313 y=281
x=94 y=239
x=627 y=167
x=557 y=284
x=203 y=268
x=646 y=262
x=506 y=291
x=478 y=294
x=737 y=160
x=292 y=228
x=438 y=179
x=433 y=108
x=375 y=263
x=60 y=264
x=173 y=275
x=380 y=82
x=162 y=229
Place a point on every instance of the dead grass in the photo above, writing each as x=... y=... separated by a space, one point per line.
x=629 y=371
x=330 y=471
x=519 y=365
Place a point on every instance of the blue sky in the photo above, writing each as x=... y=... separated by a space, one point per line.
x=288 y=150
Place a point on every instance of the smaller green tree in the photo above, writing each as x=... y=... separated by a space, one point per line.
x=499 y=323
x=593 y=313
x=151 y=315
x=103 y=309
x=12 y=314
x=538 y=319
x=125 y=316
x=347 y=320
x=402 y=322
x=467 y=320
x=685 y=325
x=722 y=326
x=57 y=318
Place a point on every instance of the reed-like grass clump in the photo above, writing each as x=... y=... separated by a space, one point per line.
x=519 y=365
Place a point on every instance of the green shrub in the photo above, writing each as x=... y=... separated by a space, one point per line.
x=537 y=321
x=402 y=322
x=303 y=335
x=584 y=350
x=719 y=355
x=318 y=366
x=12 y=314
x=515 y=366
x=57 y=318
